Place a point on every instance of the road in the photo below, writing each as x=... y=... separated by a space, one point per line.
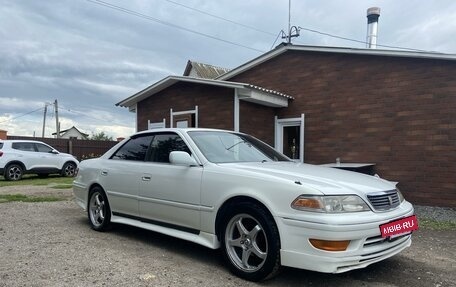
x=51 y=244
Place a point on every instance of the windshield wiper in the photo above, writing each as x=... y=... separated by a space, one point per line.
x=243 y=141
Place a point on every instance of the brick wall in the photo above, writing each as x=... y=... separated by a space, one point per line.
x=215 y=105
x=399 y=113
x=257 y=120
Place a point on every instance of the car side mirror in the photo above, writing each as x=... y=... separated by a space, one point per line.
x=181 y=158
x=54 y=151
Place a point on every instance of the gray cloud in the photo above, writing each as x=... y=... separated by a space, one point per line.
x=89 y=57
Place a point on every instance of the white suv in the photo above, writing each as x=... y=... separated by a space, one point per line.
x=18 y=157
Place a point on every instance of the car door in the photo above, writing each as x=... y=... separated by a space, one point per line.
x=48 y=159
x=170 y=193
x=121 y=174
x=27 y=154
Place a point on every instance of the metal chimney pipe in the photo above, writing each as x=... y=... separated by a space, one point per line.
x=372 y=27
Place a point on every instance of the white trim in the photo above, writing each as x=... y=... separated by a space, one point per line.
x=236 y=110
x=172 y=114
x=136 y=118
x=279 y=124
x=156 y=125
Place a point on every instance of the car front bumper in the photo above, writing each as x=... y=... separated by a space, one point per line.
x=366 y=244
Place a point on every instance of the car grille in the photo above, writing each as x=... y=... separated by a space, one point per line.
x=384 y=200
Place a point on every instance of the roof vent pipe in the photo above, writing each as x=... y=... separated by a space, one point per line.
x=372 y=27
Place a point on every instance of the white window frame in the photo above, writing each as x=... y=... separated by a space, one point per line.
x=279 y=124
x=172 y=114
x=156 y=125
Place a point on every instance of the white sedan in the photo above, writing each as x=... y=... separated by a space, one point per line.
x=228 y=190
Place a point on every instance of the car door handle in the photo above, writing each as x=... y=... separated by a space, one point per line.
x=104 y=172
x=146 y=178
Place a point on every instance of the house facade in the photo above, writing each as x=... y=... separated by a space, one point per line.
x=394 y=109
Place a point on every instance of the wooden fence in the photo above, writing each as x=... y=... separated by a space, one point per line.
x=81 y=149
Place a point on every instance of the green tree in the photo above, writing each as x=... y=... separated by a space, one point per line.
x=101 y=136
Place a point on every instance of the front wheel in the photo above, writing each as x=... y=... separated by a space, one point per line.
x=69 y=169
x=251 y=242
x=98 y=211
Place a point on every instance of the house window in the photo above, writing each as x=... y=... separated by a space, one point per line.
x=156 y=125
x=184 y=119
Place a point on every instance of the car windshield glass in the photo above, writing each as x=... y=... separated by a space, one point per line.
x=224 y=147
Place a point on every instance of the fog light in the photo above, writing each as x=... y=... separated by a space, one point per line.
x=330 y=245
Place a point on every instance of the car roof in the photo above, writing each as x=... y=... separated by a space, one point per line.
x=184 y=130
x=19 y=141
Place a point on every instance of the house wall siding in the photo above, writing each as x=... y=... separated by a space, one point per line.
x=257 y=121
x=215 y=105
x=399 y=113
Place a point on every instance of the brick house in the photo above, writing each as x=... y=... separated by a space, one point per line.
x=393 y=108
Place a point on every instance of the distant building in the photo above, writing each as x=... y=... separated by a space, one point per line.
x=3 y=134
x=72 y=132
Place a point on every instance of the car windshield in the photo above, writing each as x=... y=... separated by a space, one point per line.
x=224 y=147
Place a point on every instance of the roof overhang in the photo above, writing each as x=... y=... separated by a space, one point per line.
x=245 y=92
x=371 y=52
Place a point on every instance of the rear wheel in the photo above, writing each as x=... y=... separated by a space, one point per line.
x=99 y=212
x=69 y=169
x=251 y=242
x=14 y=172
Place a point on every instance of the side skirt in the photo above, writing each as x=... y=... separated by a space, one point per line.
x=203 y=238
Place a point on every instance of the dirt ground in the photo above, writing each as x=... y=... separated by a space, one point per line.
x=51 y=244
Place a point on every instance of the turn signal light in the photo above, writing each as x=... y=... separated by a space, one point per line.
x=308 y=202
x=1 y=153
x=329 y=245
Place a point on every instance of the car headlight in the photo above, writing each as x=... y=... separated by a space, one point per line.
x=330 y=203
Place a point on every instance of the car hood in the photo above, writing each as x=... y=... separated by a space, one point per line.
x=329 y=181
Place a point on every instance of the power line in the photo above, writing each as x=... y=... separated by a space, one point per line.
x=358 y=41
x=22 y=115
x=150 y=18
x=281 y=32
x=222 y=18
x=93 y=118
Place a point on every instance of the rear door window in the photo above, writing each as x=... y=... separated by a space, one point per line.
x=24 y=146
x=1 y=145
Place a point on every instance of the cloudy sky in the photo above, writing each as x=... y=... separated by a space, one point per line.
x=90 y=54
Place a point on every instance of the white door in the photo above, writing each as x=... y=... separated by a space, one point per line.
x=170 y=193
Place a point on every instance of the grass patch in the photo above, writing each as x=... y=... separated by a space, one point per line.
x=23 y=198
x=62 y=186
x=437 y=225
x=37 y=181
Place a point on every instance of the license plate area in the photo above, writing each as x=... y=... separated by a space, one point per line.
x=398 y=228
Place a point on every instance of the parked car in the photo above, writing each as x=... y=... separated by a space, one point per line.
x=229 y=190
x=18 y=157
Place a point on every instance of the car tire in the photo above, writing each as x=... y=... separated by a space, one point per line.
x=69 y=169
x=251 y=242
x=14 y=172
x=98 y=210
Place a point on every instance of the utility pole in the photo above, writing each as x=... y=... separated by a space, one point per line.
x=44 y=118
x=57 y=125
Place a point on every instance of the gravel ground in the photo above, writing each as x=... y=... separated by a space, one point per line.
x=51 y=244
